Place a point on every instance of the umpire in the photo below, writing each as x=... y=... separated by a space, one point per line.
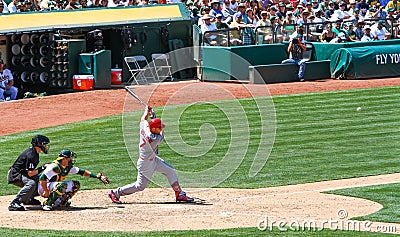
x=23 y=173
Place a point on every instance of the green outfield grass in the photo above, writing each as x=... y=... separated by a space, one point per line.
x=388 y=195
x=6 y=232
x=319 y=136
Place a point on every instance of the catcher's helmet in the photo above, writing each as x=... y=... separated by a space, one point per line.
x=156 y=123
x=67 y=154
x=41 y=142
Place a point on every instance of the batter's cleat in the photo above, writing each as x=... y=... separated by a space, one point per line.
x=47 y=208
x=113 y=197
x=33 y=202
x=182 y=197
x=15 y=206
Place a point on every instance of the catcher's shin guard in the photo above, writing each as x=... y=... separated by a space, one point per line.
x=64 y=200
x=56 y=193
x=68 y=195
x=75 y=187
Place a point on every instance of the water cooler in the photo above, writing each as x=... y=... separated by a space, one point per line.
x=97 y=64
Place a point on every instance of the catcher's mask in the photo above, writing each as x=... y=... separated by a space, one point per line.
x=68 y=154
x=41 y=142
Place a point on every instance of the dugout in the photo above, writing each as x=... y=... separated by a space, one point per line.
x=43 y=49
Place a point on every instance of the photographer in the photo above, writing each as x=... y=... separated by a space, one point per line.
x=296 y=49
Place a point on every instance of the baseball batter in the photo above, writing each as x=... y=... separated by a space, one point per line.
x=151 y=134
x=6 y=83
x=54 y=188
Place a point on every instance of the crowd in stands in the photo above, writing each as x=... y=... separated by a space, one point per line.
x=275 y=20
x=330 y=21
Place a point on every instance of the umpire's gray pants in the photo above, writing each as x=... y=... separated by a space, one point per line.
x=29 y=188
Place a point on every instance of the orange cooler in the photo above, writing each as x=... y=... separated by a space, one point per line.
x=82 y=82
x=116 y=76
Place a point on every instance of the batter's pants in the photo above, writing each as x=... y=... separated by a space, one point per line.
x=146 y=169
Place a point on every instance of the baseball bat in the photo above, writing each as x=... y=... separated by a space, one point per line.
x=132 y=93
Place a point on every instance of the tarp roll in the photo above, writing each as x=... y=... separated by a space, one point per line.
x=366 y=62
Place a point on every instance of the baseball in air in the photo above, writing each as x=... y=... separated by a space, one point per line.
x=358 y=109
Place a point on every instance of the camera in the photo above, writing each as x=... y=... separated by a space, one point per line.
x=295 y=41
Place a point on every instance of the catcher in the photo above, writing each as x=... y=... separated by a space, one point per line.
x=52 y=185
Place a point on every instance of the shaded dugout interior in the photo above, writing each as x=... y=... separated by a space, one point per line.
x=43 y=49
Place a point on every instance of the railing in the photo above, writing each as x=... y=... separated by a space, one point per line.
x=280 y=33
x=230 y=37
x=223 y=37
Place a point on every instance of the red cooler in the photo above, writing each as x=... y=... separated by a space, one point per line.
x=82 y=82
x=116 y=76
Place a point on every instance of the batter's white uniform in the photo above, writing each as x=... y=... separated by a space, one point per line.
x=5 y=77
x=148 y=162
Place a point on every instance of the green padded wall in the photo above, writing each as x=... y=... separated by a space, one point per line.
x=277 y=73
x=226 y=63
x=216 y=64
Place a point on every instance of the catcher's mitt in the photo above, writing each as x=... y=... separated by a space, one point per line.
x=103 y=178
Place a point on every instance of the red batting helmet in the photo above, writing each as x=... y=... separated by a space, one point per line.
x=156 y=123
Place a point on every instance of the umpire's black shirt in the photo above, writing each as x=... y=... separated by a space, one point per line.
x=28 y=160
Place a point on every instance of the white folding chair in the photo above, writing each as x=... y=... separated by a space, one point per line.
x=139 y=68
x=161 y=66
